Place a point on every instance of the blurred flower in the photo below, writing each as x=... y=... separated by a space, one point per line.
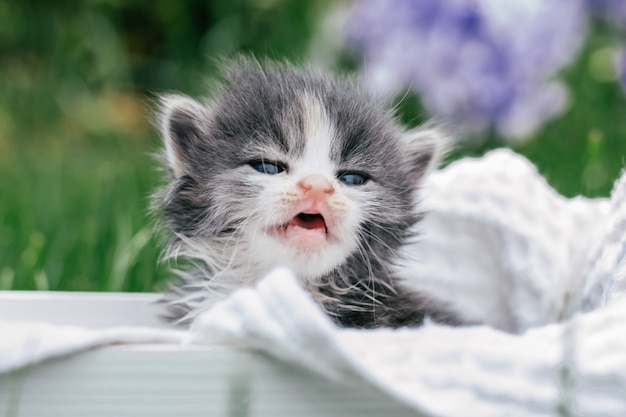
x=612 y=10
x=480 y=62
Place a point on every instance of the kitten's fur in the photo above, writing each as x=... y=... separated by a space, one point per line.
x=219 y=208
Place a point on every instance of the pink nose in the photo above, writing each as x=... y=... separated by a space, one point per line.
x=316 y=185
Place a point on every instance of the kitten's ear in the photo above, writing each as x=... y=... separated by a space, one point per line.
x=181 y=120
x=425 y=146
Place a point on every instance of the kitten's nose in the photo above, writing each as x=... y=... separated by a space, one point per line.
x=316 y=185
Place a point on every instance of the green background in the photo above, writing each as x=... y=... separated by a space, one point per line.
x=77 y=82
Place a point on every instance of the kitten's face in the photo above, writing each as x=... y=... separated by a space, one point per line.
x=287 y=170
x=308 y=204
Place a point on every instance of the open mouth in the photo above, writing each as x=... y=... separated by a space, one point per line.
x=309 y=221
x=305 y=230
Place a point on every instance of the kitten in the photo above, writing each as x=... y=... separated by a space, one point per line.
x=291 y=167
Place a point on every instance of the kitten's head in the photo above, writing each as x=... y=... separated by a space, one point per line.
x=287 y=167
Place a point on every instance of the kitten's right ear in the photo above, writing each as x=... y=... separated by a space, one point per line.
x=425 y=146
x=181 y=120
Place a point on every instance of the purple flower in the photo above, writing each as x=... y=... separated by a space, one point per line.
x=480 y=62
x=612 y=10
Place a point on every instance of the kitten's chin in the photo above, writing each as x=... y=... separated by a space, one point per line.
x=310 y=244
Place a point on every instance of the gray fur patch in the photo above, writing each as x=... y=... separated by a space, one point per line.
x=263 y=112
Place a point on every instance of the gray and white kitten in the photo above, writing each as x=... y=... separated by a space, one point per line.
x=296 y=168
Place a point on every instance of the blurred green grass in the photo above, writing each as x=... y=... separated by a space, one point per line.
x=74 y=217
x=76 y=83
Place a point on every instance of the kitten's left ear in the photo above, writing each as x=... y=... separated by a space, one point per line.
x=424 y=148
x=182 y=122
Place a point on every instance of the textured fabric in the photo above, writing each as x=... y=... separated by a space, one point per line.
x=504 y=246
x=576 y=367
x=545 y=275
x=28 y=343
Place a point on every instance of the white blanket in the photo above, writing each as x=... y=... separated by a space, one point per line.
x=502 y=246
x=575 y=368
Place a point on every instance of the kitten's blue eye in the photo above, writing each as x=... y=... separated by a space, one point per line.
x=353 y=178
x=267 y=167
